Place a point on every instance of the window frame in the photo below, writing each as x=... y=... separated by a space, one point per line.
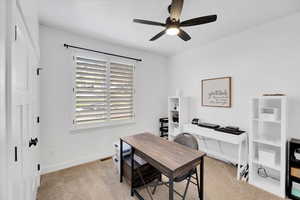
x=108 y=60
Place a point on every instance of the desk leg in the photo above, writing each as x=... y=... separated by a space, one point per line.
x=201 y=179
x=121 y=161
x=239 y=161
x=171 y=188
x=132 y=171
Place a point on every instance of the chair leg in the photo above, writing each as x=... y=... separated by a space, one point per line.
x=198 y=184
x=154 y=189
x=158 y=181
x=187 y=187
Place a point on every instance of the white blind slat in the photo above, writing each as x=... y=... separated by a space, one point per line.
x=100 y=98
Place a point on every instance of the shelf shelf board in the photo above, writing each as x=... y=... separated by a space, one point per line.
x=164 y=131
x=268 y=142
x=295 y=165
x=293 y=197
x=275 y=167
x=295 y=179
x=175 y=97
x=267 y=184
x=270 y=121
x=270 y=97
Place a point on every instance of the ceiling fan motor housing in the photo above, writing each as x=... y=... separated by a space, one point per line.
x=172 y=23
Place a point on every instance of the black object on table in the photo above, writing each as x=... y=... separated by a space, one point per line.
x=234 y=131
x=208 y=125
x=293 y=167
x=164 y=129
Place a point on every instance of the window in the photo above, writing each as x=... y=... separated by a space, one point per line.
x=103 y=93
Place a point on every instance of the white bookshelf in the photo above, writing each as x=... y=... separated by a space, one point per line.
x=177 y=106
x=268 y=135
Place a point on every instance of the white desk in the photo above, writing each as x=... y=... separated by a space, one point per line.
x=239 y=140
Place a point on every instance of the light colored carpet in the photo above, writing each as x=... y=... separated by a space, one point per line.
x=99 y=181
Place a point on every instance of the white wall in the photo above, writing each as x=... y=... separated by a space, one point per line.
x=59 y=146
x=265 y=59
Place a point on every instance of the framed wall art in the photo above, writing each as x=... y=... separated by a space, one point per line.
x=216 y=92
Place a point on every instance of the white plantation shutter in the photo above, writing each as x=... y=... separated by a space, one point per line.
x=104 y=91
x=121 y=91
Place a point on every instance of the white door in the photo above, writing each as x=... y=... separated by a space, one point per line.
x=33 y=151
x=23 y=151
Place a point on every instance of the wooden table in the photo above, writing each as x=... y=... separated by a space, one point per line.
x=170 y=158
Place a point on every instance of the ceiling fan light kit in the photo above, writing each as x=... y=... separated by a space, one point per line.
x=173 y=25
x=173 y=30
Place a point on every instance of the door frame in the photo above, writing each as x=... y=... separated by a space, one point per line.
x=3 y=96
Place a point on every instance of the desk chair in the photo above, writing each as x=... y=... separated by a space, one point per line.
x=188 y=140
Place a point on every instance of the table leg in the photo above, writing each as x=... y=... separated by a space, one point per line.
x=198 y=183
x=121 y=161
x=201 y=179
x=239 y=161
x=171 y=188
x=132 y=171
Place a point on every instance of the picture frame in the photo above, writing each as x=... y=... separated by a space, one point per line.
x=216 y=92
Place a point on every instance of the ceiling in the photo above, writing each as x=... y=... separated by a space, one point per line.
x=111 y=20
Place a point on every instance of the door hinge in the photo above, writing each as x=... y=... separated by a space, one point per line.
x=73 y=89
x=16 y=154
x=33 y=142
x=38 y=119
x=39 y=167
x=16 y=32
x=38 y=70
x=73 y=121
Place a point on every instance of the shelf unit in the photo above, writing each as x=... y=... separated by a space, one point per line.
x=293 y=175
x=178 y=109
x=270 y=136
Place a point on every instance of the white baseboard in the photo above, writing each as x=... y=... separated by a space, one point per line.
x=72 y=163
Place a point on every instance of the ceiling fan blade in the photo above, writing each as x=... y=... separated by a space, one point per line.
x=158 y=35
x=141 y=21
x=183 y=35
x=176 y=9
x=199 y=20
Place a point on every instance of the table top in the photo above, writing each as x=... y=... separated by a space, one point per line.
x=170 y=157
x=210 y=133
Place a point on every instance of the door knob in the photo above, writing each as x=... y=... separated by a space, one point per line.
x=33 y=142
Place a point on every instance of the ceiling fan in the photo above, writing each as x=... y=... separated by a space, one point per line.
x=173 y=24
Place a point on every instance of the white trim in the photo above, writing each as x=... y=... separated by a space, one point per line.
x=3 y=132
x=72 y=163
x=101 y=125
